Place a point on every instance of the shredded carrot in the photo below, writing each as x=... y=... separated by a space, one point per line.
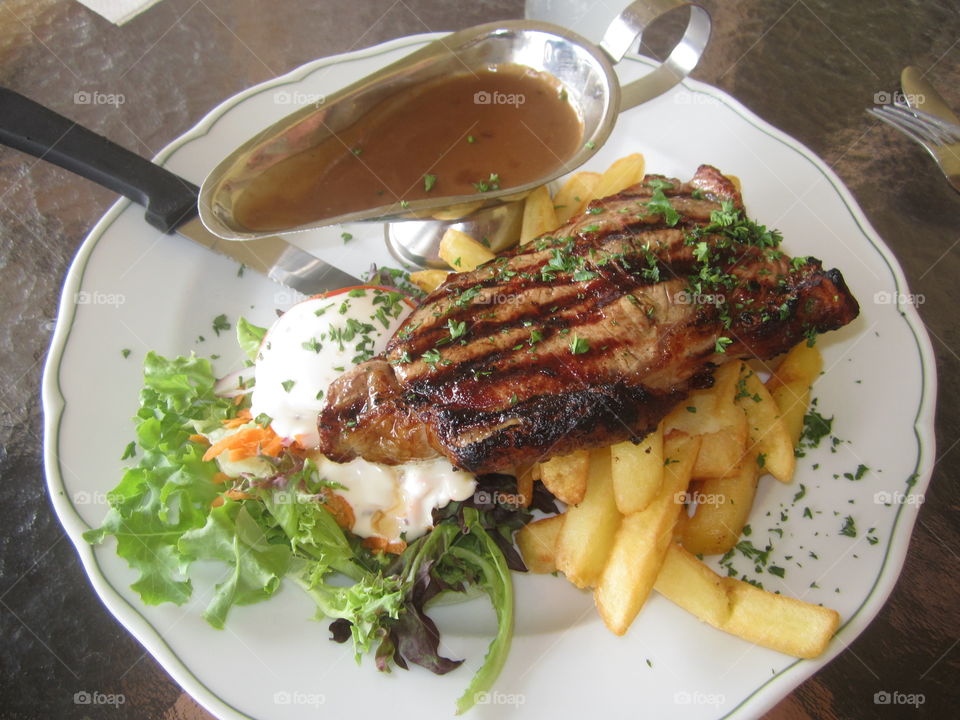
x=242 y=418
x=341 y=511
x=238 y=495
x=379 y=544
x=220 y=478
x=199 y=439
x=245 y=443
x=217 y=501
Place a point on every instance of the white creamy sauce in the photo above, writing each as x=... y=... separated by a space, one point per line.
x=390 y=500
x=308 y=348
x=311 y=345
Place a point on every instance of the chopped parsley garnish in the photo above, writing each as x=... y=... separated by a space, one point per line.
x=288 y=385
x=721 y=345
x=429 y=181
x=660 y=204
x=312 y=344
x=456 y=329
x=849 y=527
x=579 y=345
x=220 y=323
x=125 y=352
x=431 y=357
x=858 y=473
x=815 y=428
x=491 y=183
x=346 y=237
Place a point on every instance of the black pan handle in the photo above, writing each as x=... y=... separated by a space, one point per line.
x=27 y=126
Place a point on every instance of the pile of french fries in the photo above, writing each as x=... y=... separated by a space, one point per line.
x=629 y=527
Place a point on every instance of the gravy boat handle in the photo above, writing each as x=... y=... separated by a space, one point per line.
x=628 y=27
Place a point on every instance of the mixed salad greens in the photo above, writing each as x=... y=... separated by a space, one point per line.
x=174 y=507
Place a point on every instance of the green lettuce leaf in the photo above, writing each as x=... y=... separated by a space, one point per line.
x=232 y=535
x=480 y=550
x=249 y=337
x=170 y=491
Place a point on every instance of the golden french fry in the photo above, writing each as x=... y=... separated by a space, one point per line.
x=693 y=586
x=619 y=176
x=566 y=476
x=539 y=215
x=790 y=383
x=455 y=212
x=537 y=542
x=574 y=195
x=792 y=398
x=462 y=252
x=428 y=280
x=637 y=471
x=767 y=433
x=801 y=363
x=774 y=621
x=723 y=508
x=589 y=528
x=779 y=622
x=714 y=415
x=642 y=541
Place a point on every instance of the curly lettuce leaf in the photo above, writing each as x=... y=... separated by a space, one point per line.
x=232 y=535
x=170 y=490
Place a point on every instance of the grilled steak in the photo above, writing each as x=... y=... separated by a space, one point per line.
x=586 y=336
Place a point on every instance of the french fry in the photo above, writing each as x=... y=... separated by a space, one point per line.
x=774 y=621
x=766 y=431
x=537 y=542
x=566 y=476
x=539 y=215
x=790 y=383
x=642 y=541
x=462 y=252
x=723 y=508
x=589 y=528
x=801 y=363
x=619 y=176
x=693 y=586
x=779 y=622
x=792 y=399
x=574 y=195
x=428 y=280
x=714 y=415
x=455 y=212
x=637 y=471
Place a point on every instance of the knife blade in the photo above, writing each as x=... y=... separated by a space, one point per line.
x=170 y=201
x=922 y=95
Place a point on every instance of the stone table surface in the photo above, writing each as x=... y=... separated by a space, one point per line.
x=808 y=67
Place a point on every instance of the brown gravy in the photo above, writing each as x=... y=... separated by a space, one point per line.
x=442 y=139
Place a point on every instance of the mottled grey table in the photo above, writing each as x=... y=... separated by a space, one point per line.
x=807 y=66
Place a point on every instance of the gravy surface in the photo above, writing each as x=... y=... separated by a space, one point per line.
x=463 y=134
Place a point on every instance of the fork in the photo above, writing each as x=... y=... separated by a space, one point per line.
x=938 y=137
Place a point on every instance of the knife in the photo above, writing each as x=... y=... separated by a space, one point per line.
x=922 y=95
x=170 y=201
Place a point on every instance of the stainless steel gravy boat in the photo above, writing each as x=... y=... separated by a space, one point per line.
x=583 y=69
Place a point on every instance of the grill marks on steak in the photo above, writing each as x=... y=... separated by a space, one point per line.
x=483 y=370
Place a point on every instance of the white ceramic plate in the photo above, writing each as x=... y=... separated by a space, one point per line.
x=131 y=288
